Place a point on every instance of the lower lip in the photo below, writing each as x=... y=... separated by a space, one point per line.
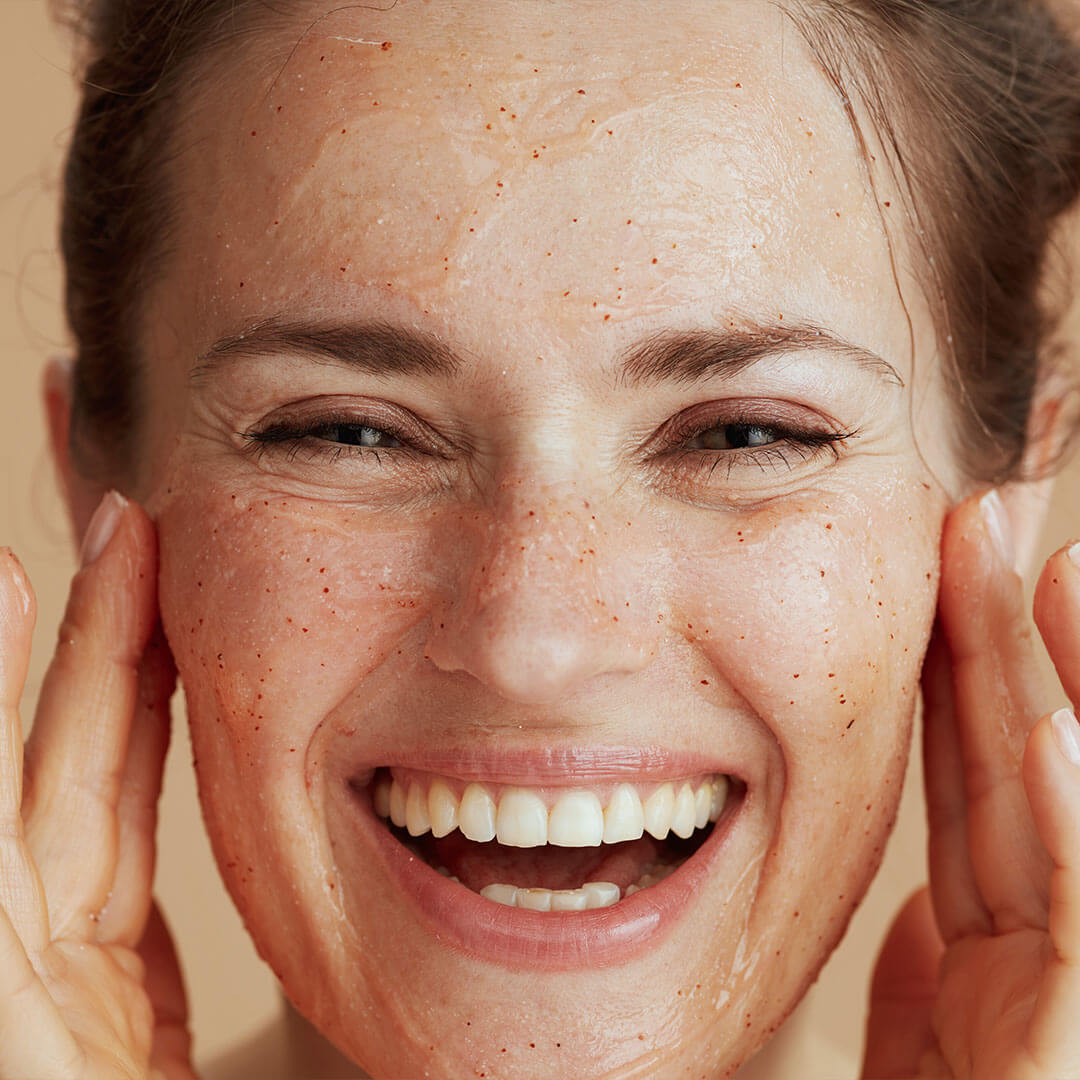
x=570 y=940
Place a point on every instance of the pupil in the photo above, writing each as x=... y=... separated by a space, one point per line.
x=355 y=435
x=737 y=437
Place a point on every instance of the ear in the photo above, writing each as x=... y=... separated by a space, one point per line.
x=81 y=494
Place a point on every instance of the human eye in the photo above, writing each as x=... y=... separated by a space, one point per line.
x=746 y=442
x=328 y=432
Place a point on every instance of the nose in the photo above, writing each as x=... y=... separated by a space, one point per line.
x=546 y=599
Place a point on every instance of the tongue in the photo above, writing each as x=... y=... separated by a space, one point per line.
x=476 y=865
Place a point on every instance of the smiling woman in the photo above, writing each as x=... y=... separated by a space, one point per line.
x=551 y=428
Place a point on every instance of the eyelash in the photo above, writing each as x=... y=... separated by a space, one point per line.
x=295 y=437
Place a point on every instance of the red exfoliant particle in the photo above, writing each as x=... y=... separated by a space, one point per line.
x=387 y=45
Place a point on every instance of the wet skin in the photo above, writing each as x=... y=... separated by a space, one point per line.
x=543 y=550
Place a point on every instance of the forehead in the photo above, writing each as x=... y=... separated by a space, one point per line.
x=581 y=167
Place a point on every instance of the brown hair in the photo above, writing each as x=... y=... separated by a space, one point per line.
x=977 y=103
x=979 y=118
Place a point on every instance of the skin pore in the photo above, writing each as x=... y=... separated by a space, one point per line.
x=551 y=258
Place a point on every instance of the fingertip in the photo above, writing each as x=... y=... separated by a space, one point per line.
x=115 y=590
x=1066 y=735
x=1058 y=583
x=18 y=594
x=1052 y=782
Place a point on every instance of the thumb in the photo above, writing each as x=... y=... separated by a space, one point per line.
x=902 y=993
x=170 y=1057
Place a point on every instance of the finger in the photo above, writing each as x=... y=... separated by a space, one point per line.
x=1052 y=775
x=21 y=895
x=171 y=1053
x=958 y=907
x=76 y=753
x=902 y=994
x=998 y=695
x=124 y=918
x=34 y=1040
x=1057 y=614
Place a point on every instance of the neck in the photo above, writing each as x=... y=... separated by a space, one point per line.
x=309 y=1054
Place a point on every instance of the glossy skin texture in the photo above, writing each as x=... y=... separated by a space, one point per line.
x=553 y=560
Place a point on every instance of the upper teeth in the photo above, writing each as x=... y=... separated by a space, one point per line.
x=521 y=817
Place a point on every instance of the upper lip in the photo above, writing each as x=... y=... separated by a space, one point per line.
x=555 y=766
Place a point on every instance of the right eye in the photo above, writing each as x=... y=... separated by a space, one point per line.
x=327 y=435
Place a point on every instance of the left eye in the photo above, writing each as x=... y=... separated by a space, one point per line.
x=735 y=437
x=354 y=435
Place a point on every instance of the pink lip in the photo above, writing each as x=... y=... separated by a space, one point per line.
x=561 y=766
x=539 y=941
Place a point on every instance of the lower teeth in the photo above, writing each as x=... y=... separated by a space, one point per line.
x=593 y=894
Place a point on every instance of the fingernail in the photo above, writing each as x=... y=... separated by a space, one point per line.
x=997 y=525
x=1067 y=733
x=102 y=526
x=18 y=579
x=1074 y=553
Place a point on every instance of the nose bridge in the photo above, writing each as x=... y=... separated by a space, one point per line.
x=550 y=597
x=542 y=540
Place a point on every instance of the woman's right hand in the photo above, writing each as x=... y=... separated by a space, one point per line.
x=89 y=983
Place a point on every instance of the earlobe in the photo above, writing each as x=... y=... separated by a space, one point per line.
x=81 y=495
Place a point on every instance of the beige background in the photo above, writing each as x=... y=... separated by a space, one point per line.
x=231 y=992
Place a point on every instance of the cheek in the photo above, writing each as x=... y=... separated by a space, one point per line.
x=275 y=609
x=817 y=612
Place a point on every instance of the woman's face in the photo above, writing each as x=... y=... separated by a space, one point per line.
x=533 y=412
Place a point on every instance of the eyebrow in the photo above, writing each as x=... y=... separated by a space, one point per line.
x=689 y=356
x=377 y=348
x=683 y=356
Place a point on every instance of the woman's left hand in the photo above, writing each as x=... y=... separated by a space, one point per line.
x=980 y=974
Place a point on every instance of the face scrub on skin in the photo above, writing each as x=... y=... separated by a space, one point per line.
x=548 y=529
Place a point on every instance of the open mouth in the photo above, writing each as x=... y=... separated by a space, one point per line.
x=552 y=849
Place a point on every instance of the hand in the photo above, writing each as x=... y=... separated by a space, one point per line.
x=89 y=983
x=980 y=977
